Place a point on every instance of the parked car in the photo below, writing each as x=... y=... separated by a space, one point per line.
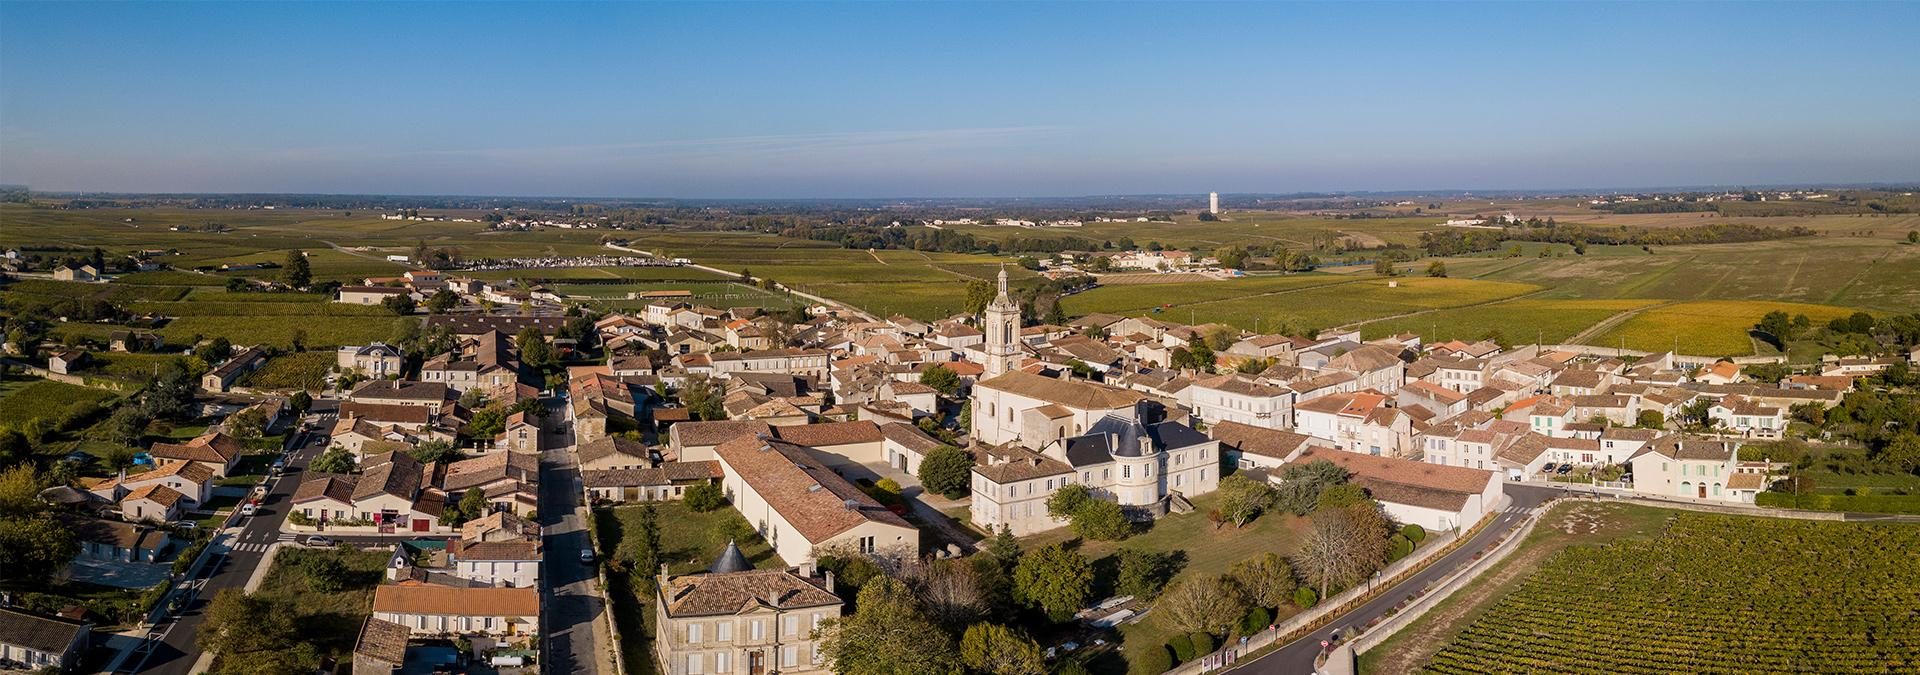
x=586 y=556
x=1565 y=469
x=249 y=508
x=318 y=541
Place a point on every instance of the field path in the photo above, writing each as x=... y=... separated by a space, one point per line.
x=876 y=256
x=358 y=254
x=1430 y=310
x=1841 y=292
x=1609 y=322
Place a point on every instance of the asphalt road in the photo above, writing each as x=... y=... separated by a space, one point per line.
x=1298 y=656
x=569 y=605
x=234 y=560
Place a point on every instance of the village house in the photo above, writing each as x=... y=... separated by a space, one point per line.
x=1438 y=498
x=1254 y=447
x=370 y=295
x=1680 y=466
x=808 y=362
x=429 y=610
x=1747 y=417
x=1238 y=398
x=434 y=396
x=216 y=451
x=735 y=619
x=661 y=482
x=375 y=360
x=66 y=361
x=31 y=642
x=803 y=509
x=1034 y=410
x=1149 y=467
x=222 y=377
x=1365 y=422
x=508 y=564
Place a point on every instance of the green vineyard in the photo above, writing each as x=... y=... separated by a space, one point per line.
x=1713 y=594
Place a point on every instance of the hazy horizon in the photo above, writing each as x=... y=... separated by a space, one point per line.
x=932 y=101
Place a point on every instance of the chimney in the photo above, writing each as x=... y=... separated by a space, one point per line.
x=830 y=583
x=662 y=583
x=806 y=569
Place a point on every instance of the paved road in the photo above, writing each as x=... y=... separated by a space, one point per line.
x=572 y=608
x=1298 y=656
x=234 y=559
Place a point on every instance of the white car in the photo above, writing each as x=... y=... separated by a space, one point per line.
x=318 y=541
x=248 y=509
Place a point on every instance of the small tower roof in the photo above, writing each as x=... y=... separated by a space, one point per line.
x=730 y=560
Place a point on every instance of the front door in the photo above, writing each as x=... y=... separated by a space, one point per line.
x=1703 y=490
x=420 y=524
x=756 y=663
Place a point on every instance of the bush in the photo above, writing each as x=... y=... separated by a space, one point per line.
x=1398 y=547
x=1151 y=661
x=1182 y=648
x=1305 y=597
x=1072 y=667
x=1414 y=533
x=1257 y=620
x=185 y=560
x=704 y=497
x=947 y=470
x=300 y=519
x=1202 y=644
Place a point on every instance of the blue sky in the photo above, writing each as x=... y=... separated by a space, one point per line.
x=921 y=99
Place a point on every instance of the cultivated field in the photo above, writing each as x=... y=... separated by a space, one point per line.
x=1710 y=328
x=24 y=400
x=1710 y=594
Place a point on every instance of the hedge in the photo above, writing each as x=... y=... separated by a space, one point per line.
x=1152 y=661
x=1868 y=503
x=1182 y=647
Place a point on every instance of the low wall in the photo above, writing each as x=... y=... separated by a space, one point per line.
x=1341 y=603
x=1593 y=350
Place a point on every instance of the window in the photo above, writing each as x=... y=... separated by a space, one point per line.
x=866 y=546
x=789 y=655
x=693 y=633
x=693 y=664
x=720 y=662
x=1126 y=471
x=755 y=630
x=1203 y=474
x=792 y=626
x=816 y=620
x=723 y=632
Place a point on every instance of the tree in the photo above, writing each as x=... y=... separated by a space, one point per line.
x=34 y=548
x=1300 y=486
x=295 y=272
x=942 y=379
x=1199 y=355
x=117 y=458
x=947 y=470
x=1102 y=520
x=1004 y=549
x=171 y=394
x=1232 y=257
x=1698 y=411
x=127 y=425
x=215 y=351
x=1341 y=496
x=950 y=591
x=251 y=629
x=1067 y=501
x=247 y=425
x=434 y=450
x=703 y=399
x=1242 y=498
x=998 y=650
x=704 y=497
x=1143 y=574
x=443 y=300
x=1651 y=419
x=1341 y=546
x=399 y=304
x=236 y=284
x=886 y=635
x=648 y=555
x=335 y=460
x=326 y=574
x=1437 y=269
x=1266 y=579
x=1778 y=326
x=979 y=294
x=1903 y=452
x=472 y=505
x=534 y=350
x=19 y=490
x=1209 y=604
x=487 y=423
x=1055 y=580
x=1383 y=267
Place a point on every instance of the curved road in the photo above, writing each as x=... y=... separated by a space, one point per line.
x=1298 y=656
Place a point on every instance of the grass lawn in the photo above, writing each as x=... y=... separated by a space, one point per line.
x=330 y=621
x=26 y=399
x=689 y=542
x=1207 y=550
x=116 y=607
